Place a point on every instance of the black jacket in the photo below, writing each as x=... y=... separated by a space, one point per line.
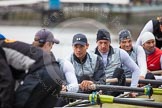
x=41 y=82
x=6 y=82
x=157 y=33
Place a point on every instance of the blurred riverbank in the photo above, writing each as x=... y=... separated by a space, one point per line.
x=125 y=18
x=63 y=32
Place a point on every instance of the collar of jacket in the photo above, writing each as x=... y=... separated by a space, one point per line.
x=129 y=52
x=53 y=57
x=78 y=60
x=111 y=51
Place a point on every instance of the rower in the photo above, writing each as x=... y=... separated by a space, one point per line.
x=154 y=54
x=114 y=59
x=40 y=80
x=89 y=67
x=154 y=26
x=45 y=40
x=6 y=81
x=135 y=52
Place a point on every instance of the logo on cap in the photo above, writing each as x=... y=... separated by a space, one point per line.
x=78 y=39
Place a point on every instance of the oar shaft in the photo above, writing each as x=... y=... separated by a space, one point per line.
x=138 y=102
x=157 y=72
x=147 y=90
x=153 y=82
x=111 y=99
x=119 y=88
x=75 y=95
x=144 y=81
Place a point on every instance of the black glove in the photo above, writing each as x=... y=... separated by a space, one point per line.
x=150 y=76
x=119 y=73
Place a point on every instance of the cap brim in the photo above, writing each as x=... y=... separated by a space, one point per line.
x=56 y=41
x=123 y=38
x=79 y=43
x=2 y=37
x=104 y=39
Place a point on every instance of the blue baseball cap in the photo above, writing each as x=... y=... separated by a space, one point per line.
x=2 y=37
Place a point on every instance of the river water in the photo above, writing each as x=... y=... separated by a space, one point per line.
x=64 y=32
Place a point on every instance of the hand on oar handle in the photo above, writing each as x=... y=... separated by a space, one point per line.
x=133 y=94
x=128 y=94
x=64 y=88
x=140 y=84
x=86 y=85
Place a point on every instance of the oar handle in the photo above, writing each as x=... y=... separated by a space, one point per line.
x=157 y=72
x=119 y=88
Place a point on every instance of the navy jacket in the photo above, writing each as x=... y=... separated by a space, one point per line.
x=41 y=81
x=6 y=82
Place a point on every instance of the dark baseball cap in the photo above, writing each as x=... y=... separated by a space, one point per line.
x=124 y=34
x=80 y=39
x=103 y=34
x=45 y=35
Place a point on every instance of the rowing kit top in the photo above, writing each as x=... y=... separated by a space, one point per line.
x=69 y=74
x=115 y=59
x=139 y=57
x=154 y=60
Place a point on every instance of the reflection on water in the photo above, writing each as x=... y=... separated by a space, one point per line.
x=63 y=33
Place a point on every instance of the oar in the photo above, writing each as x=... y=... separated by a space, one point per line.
x=77 y=102
x=84 y=103
x=123 y=95
x=147 y=90
x=144 y=81
x=95 y=98
x=157 y=72
x=153 y=82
